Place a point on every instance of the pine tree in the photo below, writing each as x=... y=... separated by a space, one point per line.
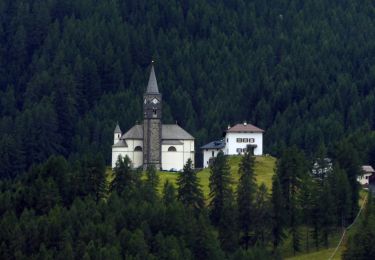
x=152 y=182
x=278 y=213
x=245 y=197
x=169 y=193
x=96 y=177
x=123 y=175
x=220 y=190
x=262 y=218
x=189 y=191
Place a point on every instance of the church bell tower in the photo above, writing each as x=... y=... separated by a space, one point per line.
x=152 y=104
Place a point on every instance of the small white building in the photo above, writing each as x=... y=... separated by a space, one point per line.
x=367 y=171
x=237 y=140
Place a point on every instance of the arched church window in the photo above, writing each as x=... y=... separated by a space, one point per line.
x=172 y=149
x=138 y=149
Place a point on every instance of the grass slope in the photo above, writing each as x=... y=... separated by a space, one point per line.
x=325 y=253
x=264 y=169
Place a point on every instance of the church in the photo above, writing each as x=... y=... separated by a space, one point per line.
x=166 y=146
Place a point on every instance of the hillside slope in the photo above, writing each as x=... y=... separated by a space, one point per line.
x=264 y=169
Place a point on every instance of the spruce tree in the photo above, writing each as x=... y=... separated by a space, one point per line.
x=123 y=175
x=220 y=190
x=169 y=193
x=278 y=213
x=189 y=191
x=245 y=198
x=152 y=182
x=97 y=177
x=262 y=217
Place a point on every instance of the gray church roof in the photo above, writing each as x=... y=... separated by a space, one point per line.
x=120 y=143
x=175 y=132
x=152 y=87
x=136 y=132
x=117 y=129
x=169 y=132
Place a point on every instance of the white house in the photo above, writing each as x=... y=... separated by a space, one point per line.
x=237 y=140
x=166 y=146
x=367 y=171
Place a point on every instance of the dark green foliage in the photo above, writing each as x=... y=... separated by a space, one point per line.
x=169 y=193
x=123 y=175
x=152 y=182
x=246 y=191
x=189 y=192
x=347 y=158
x=279 y=221
x=220 y=190
x=342 y=196
x=280 y=65
x=262 y=222
x=360 y=245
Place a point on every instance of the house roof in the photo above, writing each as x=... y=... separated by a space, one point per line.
x=120 y=143
x=244 y=128
x=117 y=129
x=218 y=144
x=152 y=87
x=169 y=132
x=368 y=169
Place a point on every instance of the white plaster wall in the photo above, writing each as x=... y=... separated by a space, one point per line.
x=116 y=137
x=189 y=151
x=172 y=159
x=232 y=145
x=135 y=157
x=364 y=179
x=177 y=159
x=116 y=151
x=207 y=154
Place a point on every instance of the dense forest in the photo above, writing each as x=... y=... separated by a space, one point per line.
x=302 y=70
x=62 y=211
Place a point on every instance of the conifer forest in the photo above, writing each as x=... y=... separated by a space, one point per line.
x=304 y=71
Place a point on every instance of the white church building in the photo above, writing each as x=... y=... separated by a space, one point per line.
x=237 y=140
x=166 y=146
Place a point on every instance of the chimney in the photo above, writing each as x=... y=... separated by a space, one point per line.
x=228 y=126
x=244 y=123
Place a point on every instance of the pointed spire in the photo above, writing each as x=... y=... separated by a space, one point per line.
x=152 y=87
x=117 y=129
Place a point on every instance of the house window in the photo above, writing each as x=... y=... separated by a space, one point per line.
x=239 y=150
x=244 y=150
x=172 y=149
x=213 y=154
x=251 y=140
x=227 y=140
x=138 y=149
x=239 y=140
x=245 y=140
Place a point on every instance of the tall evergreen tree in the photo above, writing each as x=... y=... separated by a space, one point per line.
x=189 y=191
x=245 y=197
x=220 y=189
x=278 y=213
x=123 y=175
x=152 y=182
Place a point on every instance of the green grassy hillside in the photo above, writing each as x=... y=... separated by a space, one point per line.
x=264 y=168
